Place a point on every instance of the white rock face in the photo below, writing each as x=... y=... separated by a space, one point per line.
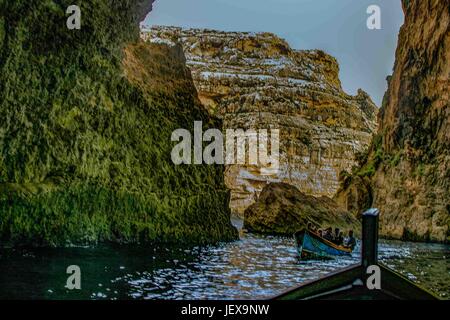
x=256 y=81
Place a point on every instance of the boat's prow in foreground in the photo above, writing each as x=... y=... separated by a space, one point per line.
x=356 y=282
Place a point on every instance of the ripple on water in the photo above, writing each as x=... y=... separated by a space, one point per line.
x=252 y=268
x=260 y=267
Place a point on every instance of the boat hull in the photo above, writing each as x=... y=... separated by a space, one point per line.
x=311 y=246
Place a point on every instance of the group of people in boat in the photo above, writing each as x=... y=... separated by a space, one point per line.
x=336 y=237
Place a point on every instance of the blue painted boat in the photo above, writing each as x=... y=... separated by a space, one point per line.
x=312 y=246
x=348 y=283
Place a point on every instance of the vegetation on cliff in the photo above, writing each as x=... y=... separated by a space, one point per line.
x=85 y=132
x=407 y=168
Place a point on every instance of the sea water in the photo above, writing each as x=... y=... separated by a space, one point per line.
x=254 y=267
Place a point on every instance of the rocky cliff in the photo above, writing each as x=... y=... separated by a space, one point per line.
x=408 y=167
x=282 y=209
x=86 y=118
x=256 y=81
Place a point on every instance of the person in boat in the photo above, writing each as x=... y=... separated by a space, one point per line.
x=350 y=241
x=337 y=237
x=312 y=228
x=341 y=236
x=328 y=234
x=319 y=232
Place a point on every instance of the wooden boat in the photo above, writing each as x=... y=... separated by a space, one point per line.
x=312 y=246
x=352 y=282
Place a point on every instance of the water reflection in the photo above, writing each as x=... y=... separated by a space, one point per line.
x=260 y=267
x=251 y=268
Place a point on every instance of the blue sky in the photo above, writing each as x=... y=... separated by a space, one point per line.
x=338 y=27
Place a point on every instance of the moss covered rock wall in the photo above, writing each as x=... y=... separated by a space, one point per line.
x=86 y=118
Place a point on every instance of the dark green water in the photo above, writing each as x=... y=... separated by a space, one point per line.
x=254 y=267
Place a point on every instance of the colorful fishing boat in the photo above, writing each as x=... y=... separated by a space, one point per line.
x=351 y=283
x=312 y=246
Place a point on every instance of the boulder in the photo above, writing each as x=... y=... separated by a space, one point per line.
x=282 y=209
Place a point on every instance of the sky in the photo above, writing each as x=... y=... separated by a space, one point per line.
x=366 y=57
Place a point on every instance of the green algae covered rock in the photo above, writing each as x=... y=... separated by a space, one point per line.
x=86 y=118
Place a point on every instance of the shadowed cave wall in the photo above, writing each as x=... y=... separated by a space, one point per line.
x=86 y=118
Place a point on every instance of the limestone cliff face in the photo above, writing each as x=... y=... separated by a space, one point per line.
x=408 y=167
x=256 y=81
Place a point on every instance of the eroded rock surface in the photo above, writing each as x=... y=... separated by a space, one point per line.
x=257 y=81
x=85 y=127
x=408 y=167
x=282 y=209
